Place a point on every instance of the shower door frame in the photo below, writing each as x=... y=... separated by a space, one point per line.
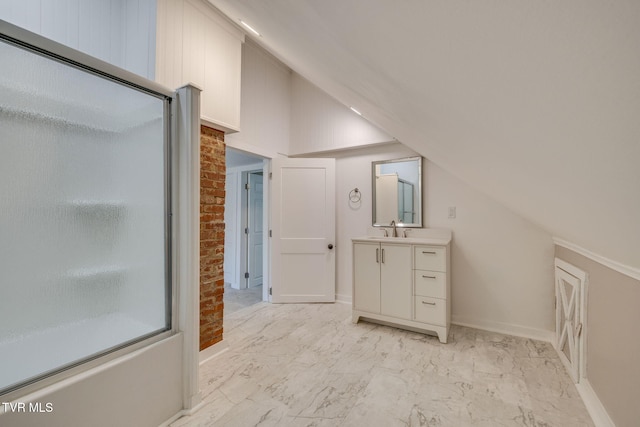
x=42 y=46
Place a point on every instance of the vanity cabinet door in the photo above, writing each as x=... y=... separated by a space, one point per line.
x=395 y=281
x=366 y=277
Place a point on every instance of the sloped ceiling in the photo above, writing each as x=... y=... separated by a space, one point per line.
x=537 y=104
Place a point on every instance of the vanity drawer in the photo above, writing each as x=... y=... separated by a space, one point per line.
x=430 y=283
x=430 y=258
x=431 y=310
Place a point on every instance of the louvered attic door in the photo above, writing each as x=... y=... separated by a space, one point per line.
x=571 y=317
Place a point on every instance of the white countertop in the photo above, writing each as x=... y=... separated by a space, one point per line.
x=417 y=236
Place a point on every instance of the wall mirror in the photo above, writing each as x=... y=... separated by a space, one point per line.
x=397 y=192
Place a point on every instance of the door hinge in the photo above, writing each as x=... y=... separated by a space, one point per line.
x=246 y=275
x=246 y=230
x=270 y=291
x=270 y=175
x=270 y=233
x=246 y=186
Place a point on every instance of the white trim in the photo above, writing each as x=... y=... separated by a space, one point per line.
x=627 y=270
x=505 y=328
x=237 y=143
x=237 y=275
x=246 y=168
x=571 y=269
x=344 y=299
x=213 y=351
x=583 y=277
x=219 y=125
x=183 y=413
x=343 y=150
x=266 y=223
x=594 y=406
x=186 y=229
x=579 y=372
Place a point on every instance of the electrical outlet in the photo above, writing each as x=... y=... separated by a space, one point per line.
x=452 y=212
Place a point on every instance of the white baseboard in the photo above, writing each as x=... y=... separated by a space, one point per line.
x=505 y=328
x=343 y=299
x=213 y=351
x=204 y=356
x=627 y=270
x=595 y=407
x=182 y=413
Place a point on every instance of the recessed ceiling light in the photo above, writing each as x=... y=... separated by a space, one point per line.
x=250 y=28
x=356 y=111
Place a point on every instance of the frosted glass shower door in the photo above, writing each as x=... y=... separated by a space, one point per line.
x=83 y=215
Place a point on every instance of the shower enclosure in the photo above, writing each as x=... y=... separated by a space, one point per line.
x=84 y=214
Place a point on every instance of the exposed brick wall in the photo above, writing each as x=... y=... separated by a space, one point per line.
x=212 y=180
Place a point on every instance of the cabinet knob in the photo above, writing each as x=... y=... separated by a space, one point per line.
x=330 y=246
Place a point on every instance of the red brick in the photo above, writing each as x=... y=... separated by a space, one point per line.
x=212 y=197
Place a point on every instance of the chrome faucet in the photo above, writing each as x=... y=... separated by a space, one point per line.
x=395 y=230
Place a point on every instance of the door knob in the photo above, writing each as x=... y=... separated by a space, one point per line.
x=330 y=246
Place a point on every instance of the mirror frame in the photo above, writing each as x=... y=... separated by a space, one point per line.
x=418 y=203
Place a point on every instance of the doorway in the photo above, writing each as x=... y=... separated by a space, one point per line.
x=244 y=249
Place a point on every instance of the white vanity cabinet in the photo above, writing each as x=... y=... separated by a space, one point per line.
x=382 y=279
x=403 y=282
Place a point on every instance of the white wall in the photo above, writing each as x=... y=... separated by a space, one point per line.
x=198 y=45
x=283 y=114
x=502 y=265
x=320 y=123
x=536 y=107
x=265 y=108
x=121 y=32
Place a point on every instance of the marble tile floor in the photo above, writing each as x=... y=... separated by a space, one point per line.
x=309 y=365
x=237 y=299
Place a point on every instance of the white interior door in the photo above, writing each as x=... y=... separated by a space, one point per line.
x=303 y=227
x=570 y=318
x=255 y=234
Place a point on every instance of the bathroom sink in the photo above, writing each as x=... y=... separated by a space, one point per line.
x=384 y=238
x=418 y=240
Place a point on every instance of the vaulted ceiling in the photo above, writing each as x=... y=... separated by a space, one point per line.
x=536 y=104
